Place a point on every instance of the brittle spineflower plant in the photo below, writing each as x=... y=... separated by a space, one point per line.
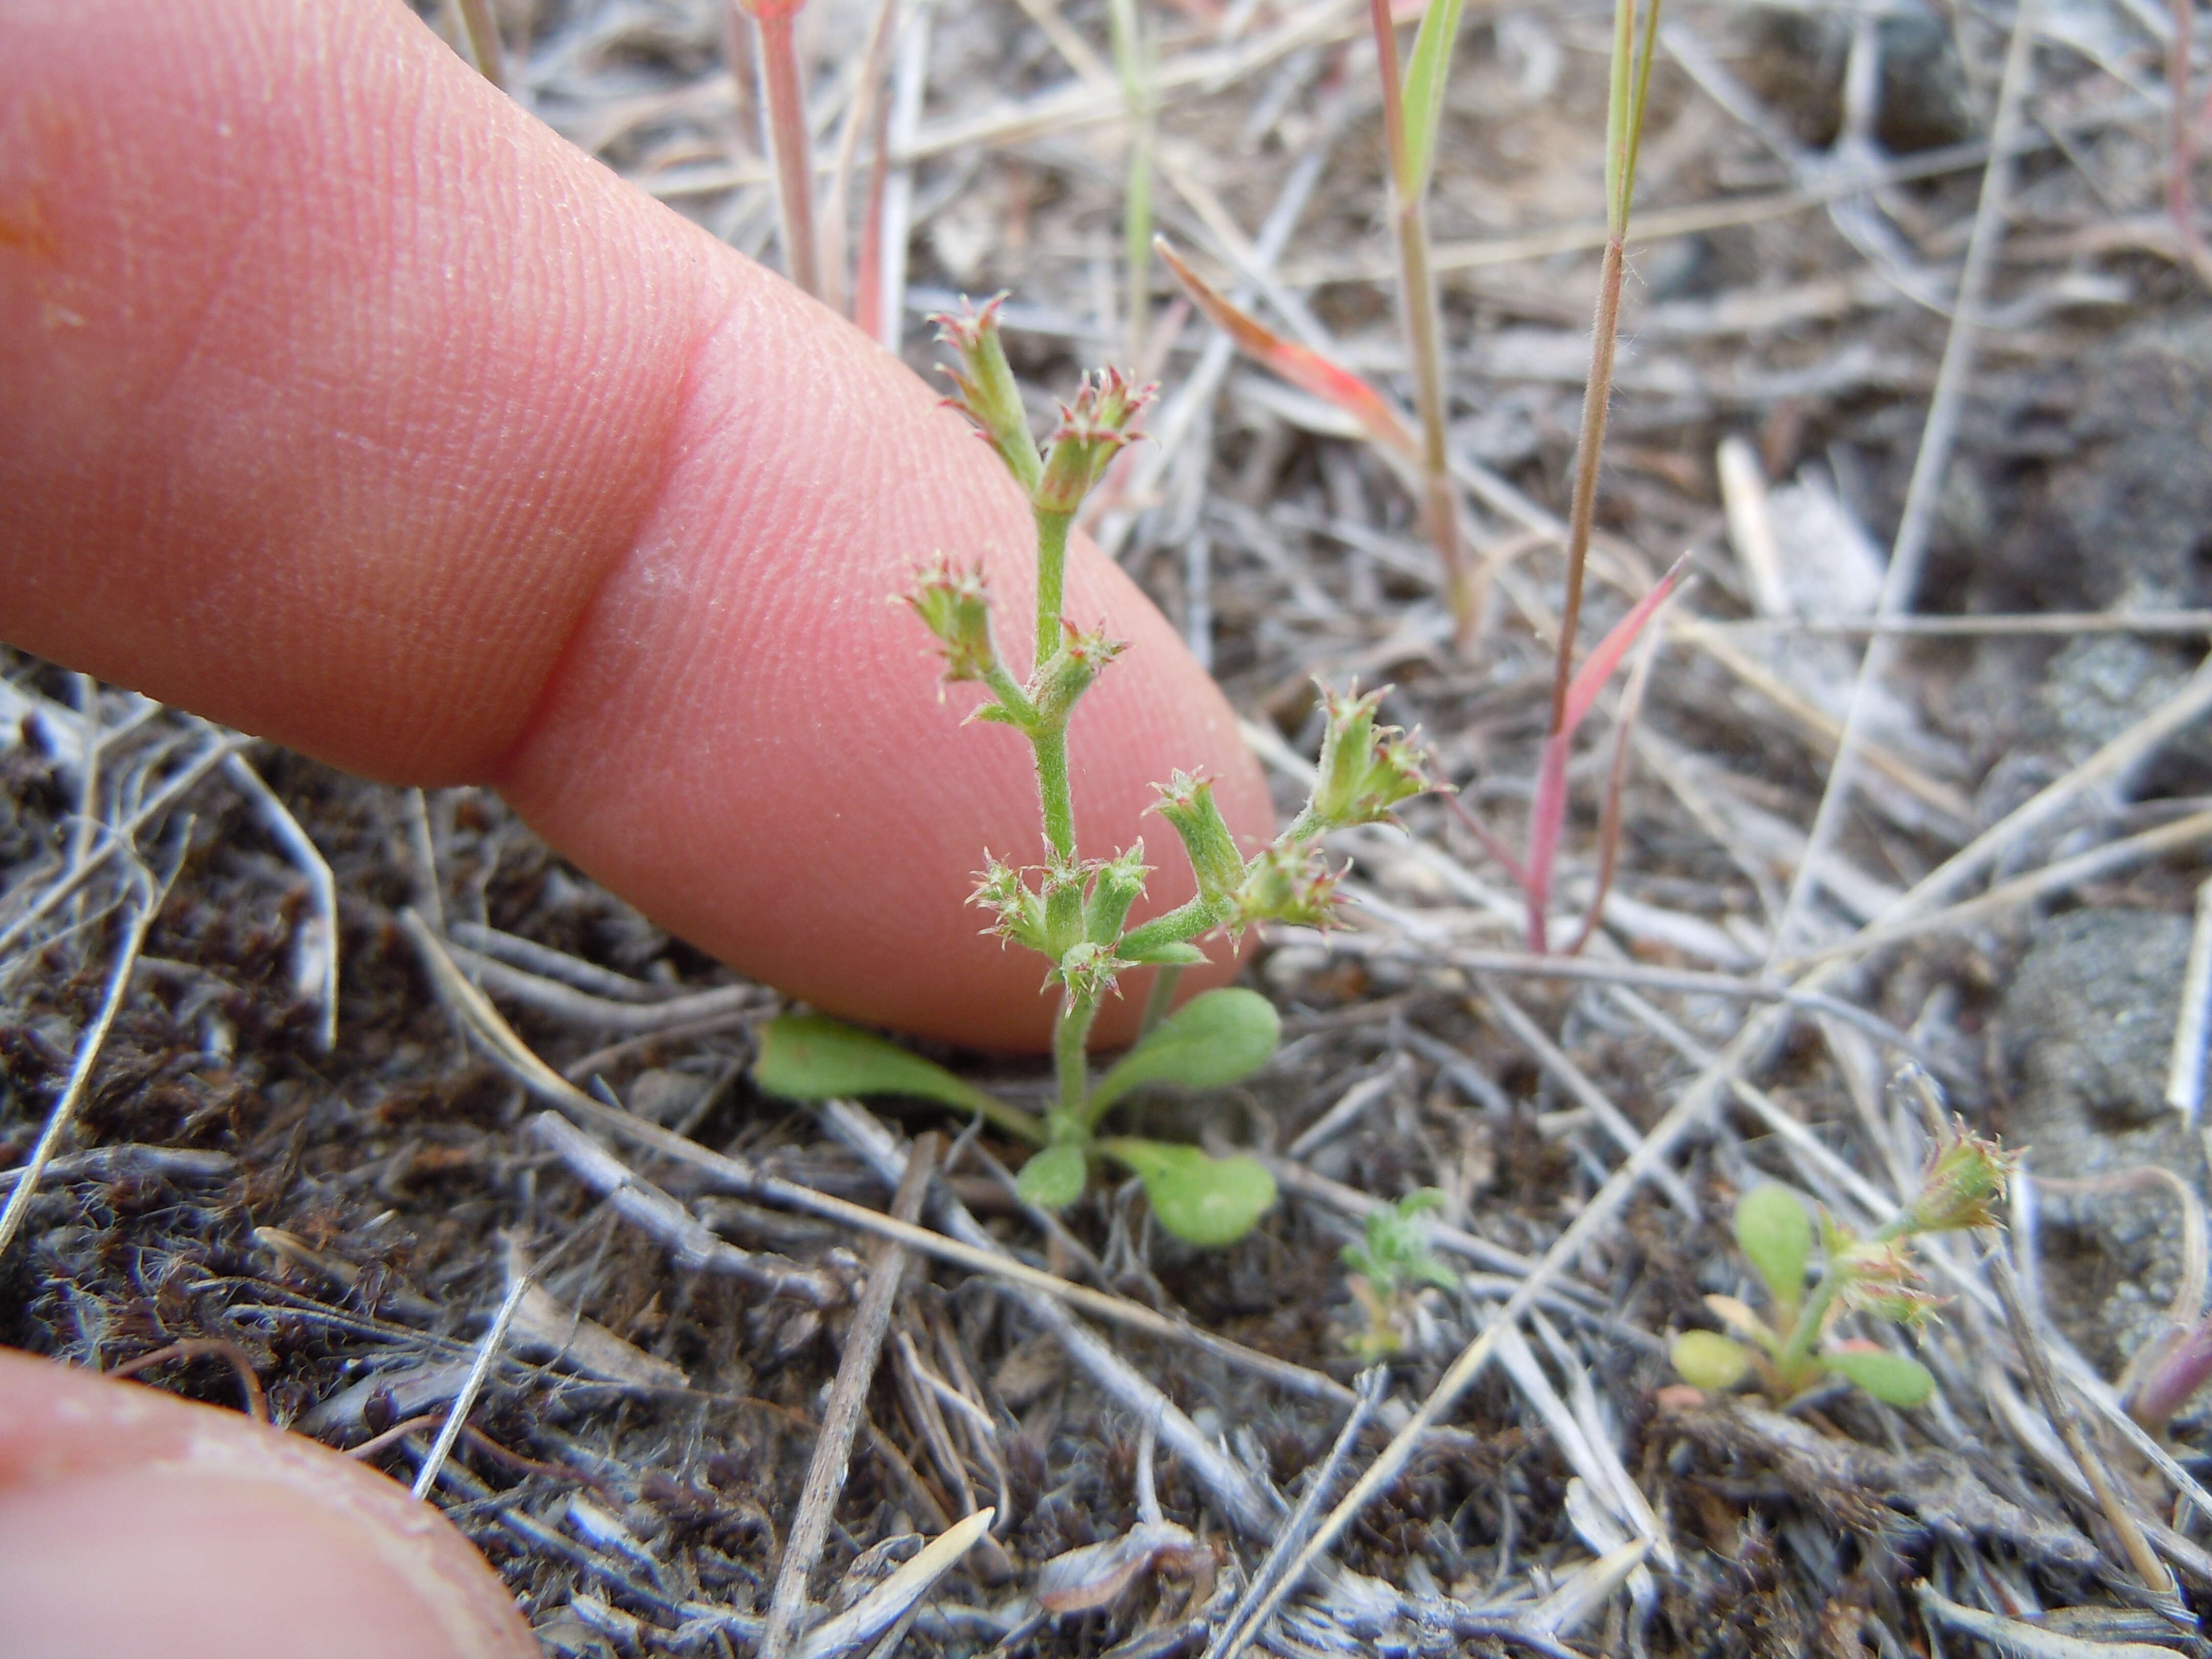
x=1793 y=1346
x=1073 y=910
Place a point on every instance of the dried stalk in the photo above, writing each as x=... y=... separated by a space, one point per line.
x=833 y=1443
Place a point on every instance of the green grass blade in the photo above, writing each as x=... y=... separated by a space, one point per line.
x=1427 y=72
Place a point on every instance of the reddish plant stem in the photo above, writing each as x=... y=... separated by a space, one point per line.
x=1547 y=814
x=864 y=115
x=1616 y=787
x=2181 y=145
x=791 y=146
x=1605 y=331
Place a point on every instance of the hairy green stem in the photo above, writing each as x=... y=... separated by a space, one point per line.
x=1051 y=580
x=1071 y=1040
x=1053 y=791
x=1185 y=921
x=1797 y=1352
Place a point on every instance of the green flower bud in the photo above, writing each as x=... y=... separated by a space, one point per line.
x=1288 y=883
x=1089 y=970
x=1963 y=1184
x=953 y=606
x=1187 y=803
x=1093 y=430
x=1019 y=908
x=1118 y=884
x=986 y=393
x=1068 y=674
x=1364 y=770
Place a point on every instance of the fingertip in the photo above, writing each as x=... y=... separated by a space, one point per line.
x=133 y=1522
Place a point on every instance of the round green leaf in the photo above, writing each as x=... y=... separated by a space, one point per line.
x=1204 y=1200
x=811 y=1057
x=1776 y=1235
x=1054 y=1179
x=1215 y=1039
x=1710 y=1360
x=1889 y=1377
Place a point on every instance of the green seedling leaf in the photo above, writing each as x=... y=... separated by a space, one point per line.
x=812 y=1057
x=1889 y=1377
x=1709 y=1361
x=1054 y=1179
x=1213 y=1039
x=1304 y=368
x=1199 y=1199
x=1427 y=73
x=1775 y=1237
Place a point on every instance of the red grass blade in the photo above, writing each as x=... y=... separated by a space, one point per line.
x=1547 y=816
x=1301 y=367
x=1590 y=679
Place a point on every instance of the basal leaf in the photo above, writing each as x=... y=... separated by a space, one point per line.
x=1204 y=1200
x=813 y=1057
x=1776 y=1235
x=1709 y=1361
x=1215 y=1039
x=1054 y=1179
x=1427 y=72
x=1889 y=1377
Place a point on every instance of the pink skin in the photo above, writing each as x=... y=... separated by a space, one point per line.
x=347 y=405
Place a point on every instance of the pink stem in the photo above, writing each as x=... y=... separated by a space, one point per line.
x=792 y=147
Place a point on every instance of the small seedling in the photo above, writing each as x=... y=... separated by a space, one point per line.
x=1389 y=1268
x=1793 y=1348
x=1073 y=911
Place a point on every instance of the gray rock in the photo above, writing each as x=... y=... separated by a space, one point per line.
x=2086 y=1026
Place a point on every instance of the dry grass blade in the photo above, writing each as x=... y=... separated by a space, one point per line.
x=2099 y=862
x=519 y=1280
x=833 y=1444
x=88 y=1056
x=319 y=944
x=2026 y=1641
x=2192 y=1031
x=2148 y=1568
x=883 y=1606
x=1240 y=1499
x=1901 y=581
x=1239 y=1631
x=660 y=1216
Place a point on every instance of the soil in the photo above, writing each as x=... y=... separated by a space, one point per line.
x=337 y=1223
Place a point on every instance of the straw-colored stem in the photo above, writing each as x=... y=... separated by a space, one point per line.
x=791 y=148
x=481 y=29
